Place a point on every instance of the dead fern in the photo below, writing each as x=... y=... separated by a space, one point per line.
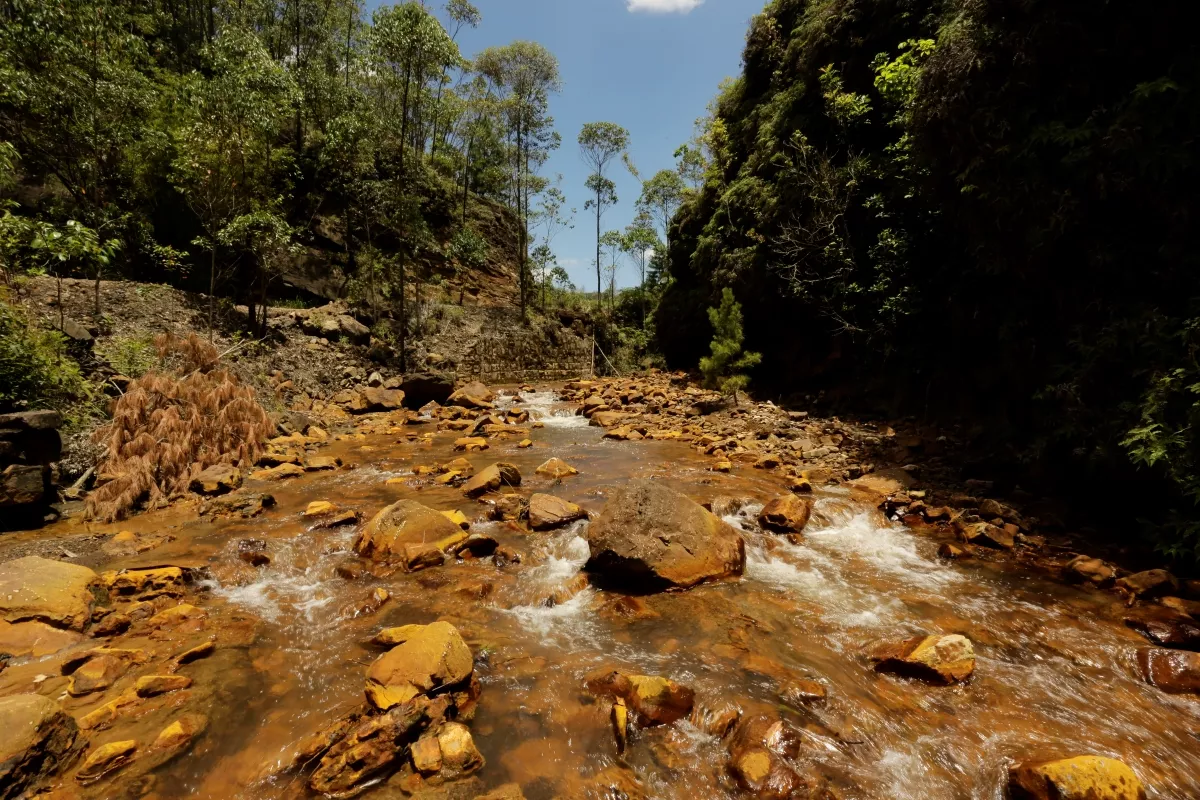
x=171 y=424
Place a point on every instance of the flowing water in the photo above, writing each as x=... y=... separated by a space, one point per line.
x=1054 y=674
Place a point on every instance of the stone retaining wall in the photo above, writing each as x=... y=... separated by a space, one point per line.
x=518 y=358
x=29 y=444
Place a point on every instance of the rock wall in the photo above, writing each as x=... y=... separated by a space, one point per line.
x=29 y=444
x=519 y=358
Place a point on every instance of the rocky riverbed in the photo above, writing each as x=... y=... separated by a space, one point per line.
x=614 y=589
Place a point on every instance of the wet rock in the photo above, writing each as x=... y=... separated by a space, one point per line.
x=458 y=518
x=97 y=674
x=180 y=733
x=1089 y=570
x=253 y=552
x=426 y=754
x=217 y=479
x=473 y=395
x=627 y=608
x=321 y=463
x=145 y=584
x=1182 y=605
x=338 y=520
x=196 y=653
x=491 y=478
x=1149 y=584
x=715 y=720
x=547 y=511
x=650 y=538
x=458 y=752
x=112 y=624
x=428 y=659
x=1078 y=778
x=406 y=524
x=938 y=659
x=54 y=592
x=1165 y=627
x=1173 y=671
x=508 y=507
x=787 y=513
x=556 y=469
x=471 y=444
x=656 y=700
x=758 y=756
x=952 y=552
x=107 y=714
x=476 y=545
x=802 y=692
x=154 y=685
x=243 y=504
x=319 y=508
x=105 y=760
x=37 y=738
x=36 y=639
x=176 y=615
x=985 y=534
x=372 y=746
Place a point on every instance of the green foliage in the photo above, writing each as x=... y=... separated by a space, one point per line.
x=130 y=356
x=723 y=369
x=36 y=370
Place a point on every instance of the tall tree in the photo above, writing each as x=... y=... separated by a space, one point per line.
x=524 y=75
x=599 y=144
x=638 y=241
x=612 y=244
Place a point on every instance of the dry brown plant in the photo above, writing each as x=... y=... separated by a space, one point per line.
x=173 y=423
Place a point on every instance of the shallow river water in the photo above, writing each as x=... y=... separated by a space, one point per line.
x=1054 y=674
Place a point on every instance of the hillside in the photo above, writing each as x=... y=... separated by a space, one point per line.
x=966 y=210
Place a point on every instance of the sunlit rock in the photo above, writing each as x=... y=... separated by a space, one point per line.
x=217 y=479
x=428 y=659
x=556 y=469
x=939 y=659
x=404 y=524
x=54 y=592
x=547 y=511
x=656 y=700
x=106 y=759
x=650 y=538
x=1148 y=584
x=1078 y=778
x=787 y=513
x=491 y=478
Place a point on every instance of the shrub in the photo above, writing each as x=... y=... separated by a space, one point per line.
x=171 y=425
x=722 y=370
x=129 y=355
x=35 y=369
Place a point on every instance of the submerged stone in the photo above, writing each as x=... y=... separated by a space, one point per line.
x=939 y=659
x=54 y=592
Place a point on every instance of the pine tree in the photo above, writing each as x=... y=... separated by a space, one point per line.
x=722 y=370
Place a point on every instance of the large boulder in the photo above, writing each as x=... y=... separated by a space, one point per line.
x=24 y=485
x=490 y=479
x=217 y=479
x=1173 y=671
x=404 y=531
x=938 y=659
x=30 y=437
x=50 y=591
x=426 y=387
x=430 y=657
x=547 y=511
x=37 y=738
x=380 y=399
x=651 y=538
x=473 y=395
x=1078 y=778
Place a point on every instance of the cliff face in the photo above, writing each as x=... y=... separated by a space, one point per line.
x=959 y=207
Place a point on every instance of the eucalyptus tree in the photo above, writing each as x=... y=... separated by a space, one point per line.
x=462 y=14
x=612 y=245
x=599 y=144
x=551 y=218
x=661 y=197
x=523 y=76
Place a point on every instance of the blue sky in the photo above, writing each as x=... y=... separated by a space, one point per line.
x=649 y=65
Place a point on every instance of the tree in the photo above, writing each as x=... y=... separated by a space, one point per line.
x=639 y=240
x=524 y=75
x=612 y=244
x=599 y=144
x=661 y=197
x=551 y=218
x=722 y=370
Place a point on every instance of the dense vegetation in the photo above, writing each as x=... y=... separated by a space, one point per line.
x=968 y=208
x=223 y=145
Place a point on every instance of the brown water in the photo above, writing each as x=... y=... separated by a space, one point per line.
x=1054 y=673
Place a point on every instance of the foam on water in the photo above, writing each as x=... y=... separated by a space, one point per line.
x=542 y=407
x=886 y=548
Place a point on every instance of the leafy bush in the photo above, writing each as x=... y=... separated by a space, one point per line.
x=129 y=355
x=36 y=370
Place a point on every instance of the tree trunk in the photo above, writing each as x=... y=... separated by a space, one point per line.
x=212 y=288
x=599 y=292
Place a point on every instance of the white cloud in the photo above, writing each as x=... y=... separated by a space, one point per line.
x=662 y=6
